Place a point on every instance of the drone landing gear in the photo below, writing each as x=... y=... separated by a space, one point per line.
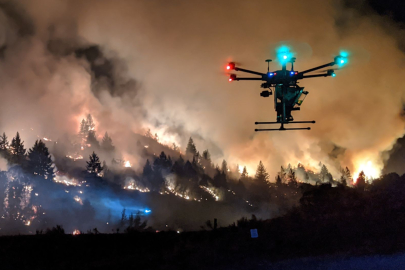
x=282 y=125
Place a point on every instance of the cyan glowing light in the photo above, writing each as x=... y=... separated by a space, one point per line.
x=342 y=59
x=284 y=54
x=333 y=74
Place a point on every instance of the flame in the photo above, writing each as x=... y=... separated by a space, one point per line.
x=371 y=171
x=76 y=232
x=127 y=164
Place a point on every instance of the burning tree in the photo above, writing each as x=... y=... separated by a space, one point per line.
x=94 y=165
x=39 y=161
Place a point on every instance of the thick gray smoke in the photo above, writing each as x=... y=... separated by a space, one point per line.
x=175 y=52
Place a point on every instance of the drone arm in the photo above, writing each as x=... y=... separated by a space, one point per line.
x=316 y=68
x=248 y=79
x=317 y=75
x=249 y=71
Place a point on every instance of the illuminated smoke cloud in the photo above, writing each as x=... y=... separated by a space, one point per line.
x=159 y=64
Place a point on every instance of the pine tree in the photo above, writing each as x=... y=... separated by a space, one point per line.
x=244 y=173
x=292 y=179
x=348 y=175
x=175 y=147
x=90 y=123
x=361 y=181
x=17 y=150
x=106 y=143
x=4 y=145
x=94 y=165
x=3 y=142
x=324 y=173
x=83 y=129
x=343 y=181
x=261 y=173
x=206 y=155
x=191 y=149
x=39 y=161
x=147 y=169
x=148 y=133
x=279 y=182
x=224 y=167
x=92 y=140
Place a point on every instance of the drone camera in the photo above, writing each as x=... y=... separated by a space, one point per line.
x=265 y=93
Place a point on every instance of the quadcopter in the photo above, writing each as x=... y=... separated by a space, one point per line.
x=288 y=95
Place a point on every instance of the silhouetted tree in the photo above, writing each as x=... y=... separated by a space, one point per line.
x=292 y=179
x=147 y=169
x=92 y=139
x=4 y=145
x=343 y=181
x=94 y=165
x=90 y=123
x=279 y=182
x=244 y=173
x=148 y=134
x=17 y=150
x=361 y=181
x=106 y=143
x=261 y=173
x=224 y=166
x=39 y=161
x=206 y=155
x=348 y=176
x=191 y=150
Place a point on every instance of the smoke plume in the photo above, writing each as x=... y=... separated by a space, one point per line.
x=157 y=64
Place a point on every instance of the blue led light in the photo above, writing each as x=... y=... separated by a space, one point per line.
x=292 y=72
x=147 y=211
x=270 y=74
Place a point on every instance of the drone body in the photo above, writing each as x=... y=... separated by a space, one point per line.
x=288 y=95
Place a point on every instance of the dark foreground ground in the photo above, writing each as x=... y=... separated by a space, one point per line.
x=220 y=249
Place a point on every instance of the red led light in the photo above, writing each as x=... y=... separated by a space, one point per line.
x=230 y=66
x=296 y=73
x=230 y=79
x=275 y=73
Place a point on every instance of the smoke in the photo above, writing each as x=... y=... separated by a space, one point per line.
x=156 y=64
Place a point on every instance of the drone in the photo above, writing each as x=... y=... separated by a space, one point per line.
x=288 y=95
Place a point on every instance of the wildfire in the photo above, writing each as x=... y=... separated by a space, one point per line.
x=134 y=187
x=66 y=181
x=371 y=171
x=211 y=192
x=127 y=164
x=76 y=232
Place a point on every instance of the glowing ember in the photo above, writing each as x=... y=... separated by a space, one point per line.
x=127 y=164
x=76 y=232
x=78 y=199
